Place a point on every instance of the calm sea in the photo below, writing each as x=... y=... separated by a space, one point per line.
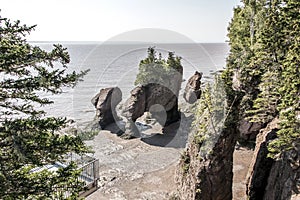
x=117 y=65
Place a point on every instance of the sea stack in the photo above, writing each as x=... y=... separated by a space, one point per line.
x=192 y=91
x=105 y=103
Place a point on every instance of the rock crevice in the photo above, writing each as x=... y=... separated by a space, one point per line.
x=269 y=178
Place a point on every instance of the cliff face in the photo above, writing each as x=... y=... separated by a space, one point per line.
x=206 y=169
x=210 y=176
x=272 y=179
x=261 y=165
x=207 y=177
x=284 y=179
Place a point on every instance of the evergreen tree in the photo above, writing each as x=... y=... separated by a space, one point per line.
x=264 y=40
x=28 y=138
x=158 y=70
x=265 y=105
x=268 y=56
x=289 y=107
x=242 y=62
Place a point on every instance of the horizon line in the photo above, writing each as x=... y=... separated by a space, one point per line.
x=120 y=42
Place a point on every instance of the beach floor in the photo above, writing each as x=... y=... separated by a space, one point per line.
x=145 y=168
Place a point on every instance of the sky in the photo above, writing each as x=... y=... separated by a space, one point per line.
x=100 y=20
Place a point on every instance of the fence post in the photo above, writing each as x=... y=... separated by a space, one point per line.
x=96 y=171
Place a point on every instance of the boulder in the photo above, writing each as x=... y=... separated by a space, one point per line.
x=105 y=103
x=192 y=90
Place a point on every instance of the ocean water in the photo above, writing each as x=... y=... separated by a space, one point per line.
x=117 y=65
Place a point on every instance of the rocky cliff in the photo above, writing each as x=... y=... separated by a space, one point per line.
x=269 y=178
x=208 y=177
x=206 y=169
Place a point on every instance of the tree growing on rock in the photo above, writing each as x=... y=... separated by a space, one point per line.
x=155 y=69
x=28 y=138
x=277 y=54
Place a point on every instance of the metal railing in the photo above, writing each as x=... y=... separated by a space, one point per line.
x=89 y=167
x=90 y=171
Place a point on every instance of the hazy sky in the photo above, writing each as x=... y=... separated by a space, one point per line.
x=99 y=20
